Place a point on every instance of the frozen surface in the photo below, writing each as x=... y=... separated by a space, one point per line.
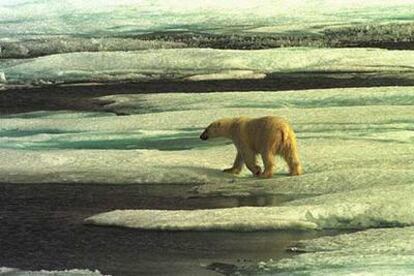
x=75 y=272
x=200 y=64
x=370 y=252
x=106 y=17
x=160 y=144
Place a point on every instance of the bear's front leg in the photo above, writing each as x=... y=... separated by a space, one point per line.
x=232 y=170
x=237 y=165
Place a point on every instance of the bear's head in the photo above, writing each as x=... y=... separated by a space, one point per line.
x=217 y=128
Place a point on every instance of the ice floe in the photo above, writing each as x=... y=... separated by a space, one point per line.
x=370 y=252
x=364 y=208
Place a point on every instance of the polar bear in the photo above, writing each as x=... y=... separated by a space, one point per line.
x=267 y=136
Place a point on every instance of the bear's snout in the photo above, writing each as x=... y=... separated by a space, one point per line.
x=204 y=136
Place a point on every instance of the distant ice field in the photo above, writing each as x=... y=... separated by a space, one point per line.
x=194 y=64
x=35 y=28
x=105 y=18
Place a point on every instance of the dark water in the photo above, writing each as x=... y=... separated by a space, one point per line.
x=42 y=228
x=84 y=97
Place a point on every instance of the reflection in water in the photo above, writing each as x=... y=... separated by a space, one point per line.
x=239 y=201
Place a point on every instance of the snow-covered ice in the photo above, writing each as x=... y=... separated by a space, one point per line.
x=160 y=144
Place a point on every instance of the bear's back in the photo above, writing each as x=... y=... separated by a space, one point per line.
x=259 y=133
x=269 y=123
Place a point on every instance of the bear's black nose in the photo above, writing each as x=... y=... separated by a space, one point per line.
x=203 y=136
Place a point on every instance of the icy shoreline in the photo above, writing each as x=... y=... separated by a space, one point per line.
x=361 y=209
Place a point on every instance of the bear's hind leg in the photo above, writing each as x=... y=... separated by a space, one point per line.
x=295 y=169
x=269 y=164
x=292 y=159
x=237 y=165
